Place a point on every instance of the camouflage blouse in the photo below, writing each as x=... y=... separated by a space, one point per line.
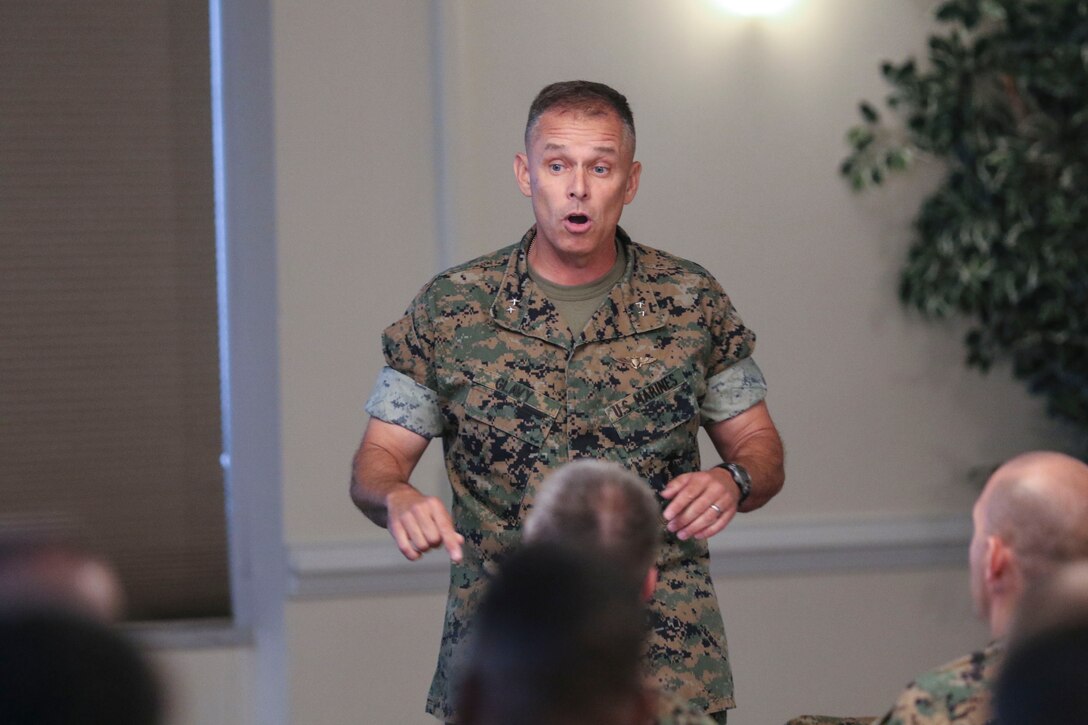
x=482 y=359
x=956 y=693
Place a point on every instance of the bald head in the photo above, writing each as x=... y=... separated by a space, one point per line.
x=1037 y=504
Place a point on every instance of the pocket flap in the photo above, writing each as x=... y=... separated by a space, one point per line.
x=510 y=412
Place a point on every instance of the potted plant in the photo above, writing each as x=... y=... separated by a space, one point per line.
x=1002 y=103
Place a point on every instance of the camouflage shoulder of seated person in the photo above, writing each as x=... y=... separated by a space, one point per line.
x=957 y=693
x=830 y=720
x=674 y=710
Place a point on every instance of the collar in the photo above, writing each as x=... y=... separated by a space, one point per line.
x=631 y=307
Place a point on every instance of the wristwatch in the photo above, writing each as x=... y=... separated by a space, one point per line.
x=740 y=475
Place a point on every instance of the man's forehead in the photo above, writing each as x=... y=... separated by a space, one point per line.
x=558 y=128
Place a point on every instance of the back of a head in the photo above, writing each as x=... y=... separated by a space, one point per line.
x=601 y=507
x=557 y=639
x=57 y=571
x=58 y=667
x=1037 y=503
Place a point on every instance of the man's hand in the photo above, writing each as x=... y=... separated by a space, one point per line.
x=701 y=504
x=420 y=523
x=380 y=488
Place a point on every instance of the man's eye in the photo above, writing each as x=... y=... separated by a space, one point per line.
x=600 y=169
x=555 y=166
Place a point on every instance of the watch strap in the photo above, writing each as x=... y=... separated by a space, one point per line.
x=740 y=477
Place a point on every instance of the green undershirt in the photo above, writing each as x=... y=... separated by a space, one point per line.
x=577 y=303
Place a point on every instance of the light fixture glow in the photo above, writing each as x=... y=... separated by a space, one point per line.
x=753 y=8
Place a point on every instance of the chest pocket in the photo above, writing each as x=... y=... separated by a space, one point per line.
x=514 y=412
x=654 y=430
x=652 y=413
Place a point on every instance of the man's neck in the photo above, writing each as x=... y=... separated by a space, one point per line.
x=570 y=270
x=1001 y=614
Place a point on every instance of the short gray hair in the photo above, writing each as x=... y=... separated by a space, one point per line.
x=601 y=507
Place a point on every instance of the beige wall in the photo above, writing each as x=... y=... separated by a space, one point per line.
x=396 y=122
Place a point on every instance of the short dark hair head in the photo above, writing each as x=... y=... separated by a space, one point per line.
x=58 y=667
x=558 y=638
x=1044 y=680
x=585 y=97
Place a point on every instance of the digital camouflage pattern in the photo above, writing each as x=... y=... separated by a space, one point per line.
x=483 y=359
x=673 y=710
x=830 y=720
x=957 y=693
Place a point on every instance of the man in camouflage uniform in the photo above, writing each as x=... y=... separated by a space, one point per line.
x=1029 y=519
x=574 y=343
x=602 y=508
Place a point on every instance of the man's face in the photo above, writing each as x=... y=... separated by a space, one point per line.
x=977 y=559
x=580 y=172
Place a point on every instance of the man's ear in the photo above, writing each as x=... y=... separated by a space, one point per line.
x=521 y=173
x=633 y=176
x=999 y=562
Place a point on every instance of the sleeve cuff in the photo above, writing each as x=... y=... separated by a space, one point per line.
x=399 y=400
x=733 y=391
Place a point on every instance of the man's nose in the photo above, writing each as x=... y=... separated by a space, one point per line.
x=578 y=188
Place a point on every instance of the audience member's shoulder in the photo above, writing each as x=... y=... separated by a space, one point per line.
x=958 y=692
x=830 y=720
x=975 y=669
x=672 y=710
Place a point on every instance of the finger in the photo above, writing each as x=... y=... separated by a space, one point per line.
x=416 y=538
x=402 y=540
x=698 y=510
x=449 y=537
x=675 y=485
x=428 y=519
x=688 y=491
x=717 y=523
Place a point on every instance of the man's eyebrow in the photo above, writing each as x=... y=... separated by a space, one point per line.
x=551 y=146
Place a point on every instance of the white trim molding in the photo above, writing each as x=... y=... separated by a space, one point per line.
x=769 y=547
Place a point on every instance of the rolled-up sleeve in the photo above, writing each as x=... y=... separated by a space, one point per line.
x=399 y=400
x=733 y=391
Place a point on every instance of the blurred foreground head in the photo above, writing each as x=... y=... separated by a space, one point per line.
x=558 y=640
x=1045 y=677
x=59 y=667
x=602 y=508
x=57 y=572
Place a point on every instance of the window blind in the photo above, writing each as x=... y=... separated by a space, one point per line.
x=110 y=421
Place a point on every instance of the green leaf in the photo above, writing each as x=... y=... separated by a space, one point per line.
x=868 y=112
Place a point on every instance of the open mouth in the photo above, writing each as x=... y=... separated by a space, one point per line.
x=578 y=218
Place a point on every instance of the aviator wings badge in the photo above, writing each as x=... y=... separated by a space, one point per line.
x=639 y=362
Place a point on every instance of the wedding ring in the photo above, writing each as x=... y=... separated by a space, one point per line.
x=715 y=507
